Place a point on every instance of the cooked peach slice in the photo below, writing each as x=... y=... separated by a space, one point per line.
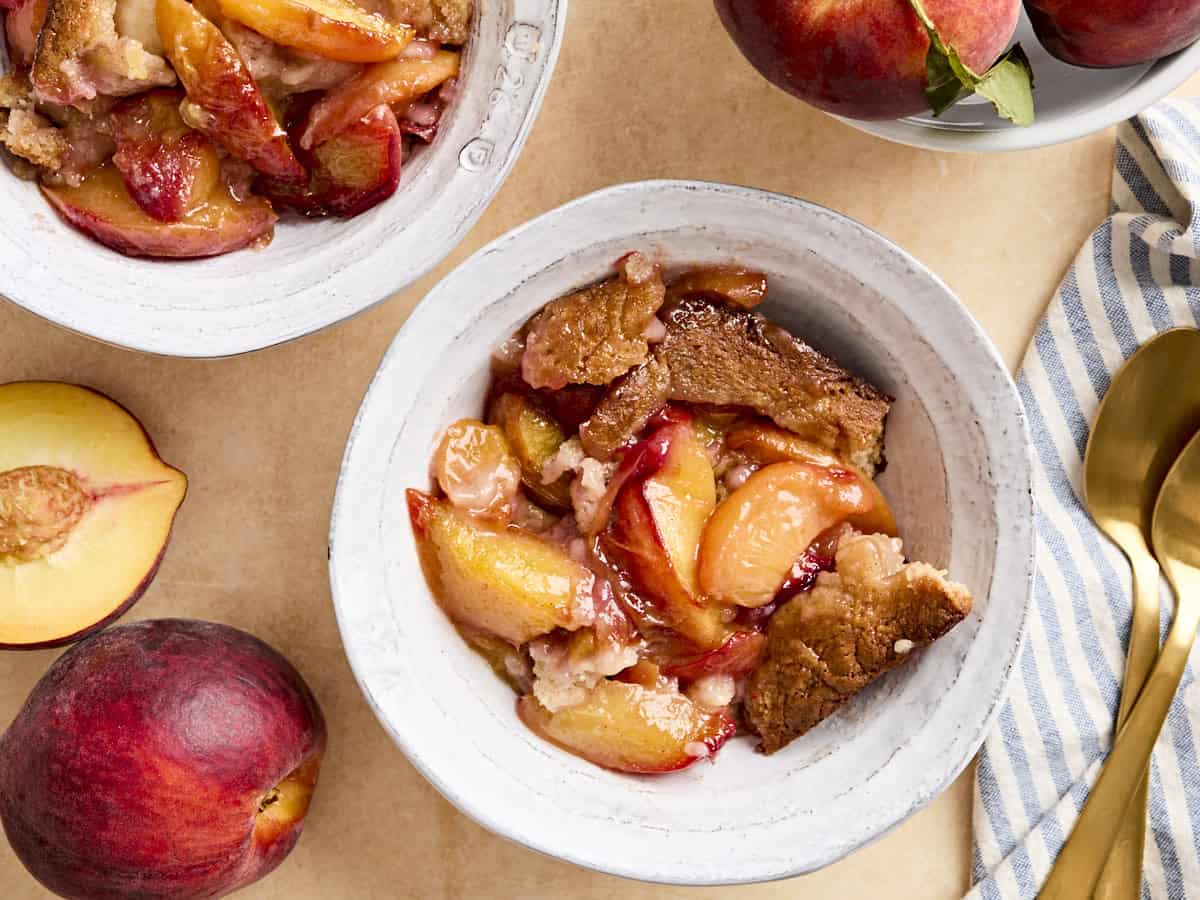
x=738 y=656
x=102 y=208
x=767 y=443
x=223 y=101
x=473 y=464
x=535 y=438
x=394 y=83
x=349 y=174
x=21 y=26
x=738 y=287
x=86 y=508
x=501 y=580
x=630 y=728
x=169 y=169
x=359 y=168
x=332 y=29
x=659 y=521
x=761 y=529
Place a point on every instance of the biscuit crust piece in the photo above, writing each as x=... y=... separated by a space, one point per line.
x=856 y=624
x=596 y=334
x=80 y=56
x=718 y=355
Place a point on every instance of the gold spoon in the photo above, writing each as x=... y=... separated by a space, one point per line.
x=1176 y=539
x=1144 y=421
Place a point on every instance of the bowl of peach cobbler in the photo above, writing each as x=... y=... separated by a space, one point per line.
x=693 y=544
x=269 y=147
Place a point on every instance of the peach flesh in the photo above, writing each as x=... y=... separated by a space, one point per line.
x=864 y=59
x=756 y=535
x=86 y=511
x=629 y=728
x=167 y=758
x=659 y=521
x=223 y=100
x=102 y=208
x=332 y=29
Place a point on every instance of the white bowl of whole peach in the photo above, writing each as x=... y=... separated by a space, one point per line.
x=211 y=178
x=685 y=534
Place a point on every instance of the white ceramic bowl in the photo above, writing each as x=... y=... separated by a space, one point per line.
x=1071 y=102
x=959 y=477
x=315 y=273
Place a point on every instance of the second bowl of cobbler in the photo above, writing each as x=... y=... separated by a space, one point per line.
x=213 y=177
x=685 y=533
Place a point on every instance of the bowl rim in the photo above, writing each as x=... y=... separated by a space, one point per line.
x=1019 y=535
x=174 y=331
x=1164 y=76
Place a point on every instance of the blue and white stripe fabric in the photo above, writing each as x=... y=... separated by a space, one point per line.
x=1138 y=274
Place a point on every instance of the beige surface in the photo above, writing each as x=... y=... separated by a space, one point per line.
x=262 y=436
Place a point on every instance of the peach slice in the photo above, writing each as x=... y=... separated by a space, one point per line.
x=21 y=26
x=738 y=656
x=350 y=173
x=333 y=29
x=659 y=521
x=86 y=508
x=761 y=529
x=474 y=466
x=223 y=101
x=630 y=728
x=169 y=169
x=766 y=443
x=502 y=580
x=535 y=438
x=394 y=83
x=102 y=208
x=738 y=287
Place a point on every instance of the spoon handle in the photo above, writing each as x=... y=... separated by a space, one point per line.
x=1086 y=851
x=1122 y=876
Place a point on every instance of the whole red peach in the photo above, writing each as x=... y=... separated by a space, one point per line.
x=167 y=758
x=864 y=59
x=1111 y=33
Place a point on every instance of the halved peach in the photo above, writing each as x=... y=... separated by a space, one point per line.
x=535 y=437
x=394 y=83
x=101 y=207
x=502 y=580
x=761 y=529
x=86 y=508
x=169 y=169
x=766 y=443
x=630 y=728
x=22 y=23
x=659 y=521
x=333 y=29
x=223 y=101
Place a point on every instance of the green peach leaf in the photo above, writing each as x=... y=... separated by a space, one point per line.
x=1008 y=84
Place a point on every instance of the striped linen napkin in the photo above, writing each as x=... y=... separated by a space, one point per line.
x=1137 y=275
